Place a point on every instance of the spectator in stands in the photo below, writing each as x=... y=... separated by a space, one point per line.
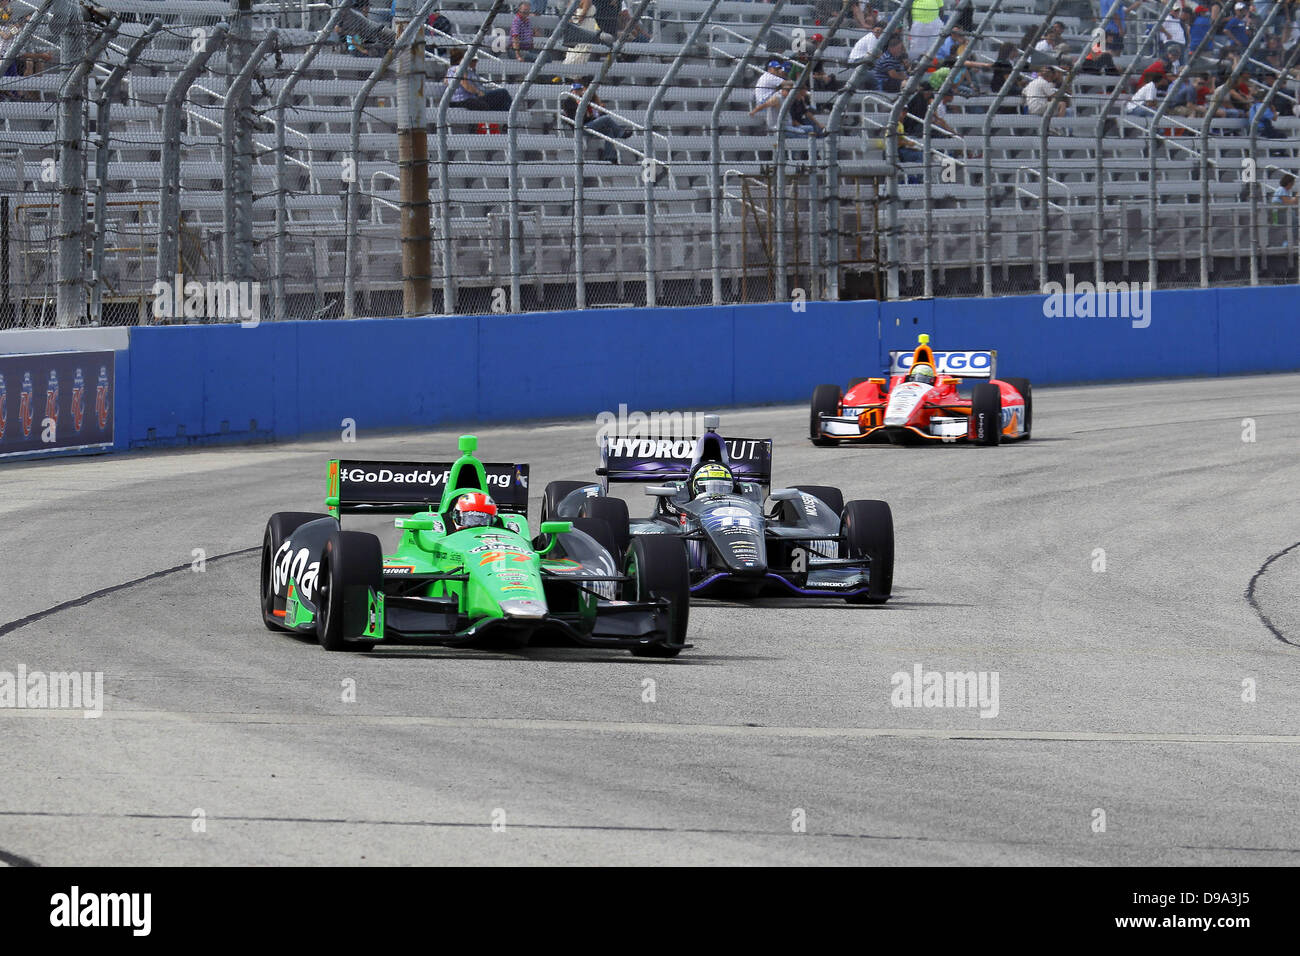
x=951 y=46
x=1053 y=41
x=1238 y=100
x=584 y=26
x=823 y=82
x=1099 y=61
x=607 y=15
x=468 y=91
x=892 y=67
x=1285 y=195
x=636 y=34
x=1262 y=117
x=521 y=33
x=768 y=92
x=596 y=121
x=1143 y=102
x=1235 y=31
x=1115 y=25
x=1172 y=28
x=825 y=11
x=800 y=121
x=1039 y=92
x=867 y=45
x=1200 y=27
x=1003 y=66
x=927 y=23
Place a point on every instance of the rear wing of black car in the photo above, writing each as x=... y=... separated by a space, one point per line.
x=402 y=487
x=669 y=459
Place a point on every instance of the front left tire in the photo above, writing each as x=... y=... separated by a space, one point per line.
x=351 y=565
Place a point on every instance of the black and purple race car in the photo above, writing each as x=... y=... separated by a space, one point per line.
x=741 y=539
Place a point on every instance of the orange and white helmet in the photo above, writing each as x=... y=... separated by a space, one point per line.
x=474 y=510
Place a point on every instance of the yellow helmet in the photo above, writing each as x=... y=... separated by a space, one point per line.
x=712 y=479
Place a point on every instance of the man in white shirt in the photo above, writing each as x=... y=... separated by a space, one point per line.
x=1040 y=90
x=768 y=94
x=1143 y=102
x=867 y=45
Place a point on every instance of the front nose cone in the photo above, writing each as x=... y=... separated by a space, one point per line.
x=524 y=609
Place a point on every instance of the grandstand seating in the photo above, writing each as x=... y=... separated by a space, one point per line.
x=317 y=139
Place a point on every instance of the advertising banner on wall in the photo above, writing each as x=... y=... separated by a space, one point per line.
x=55 y=401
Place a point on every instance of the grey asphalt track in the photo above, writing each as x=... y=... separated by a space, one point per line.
x=1119 y=690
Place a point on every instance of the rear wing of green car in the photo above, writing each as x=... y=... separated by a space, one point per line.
x=403 y=487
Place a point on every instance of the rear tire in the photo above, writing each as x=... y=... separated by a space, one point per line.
x=352 y=563
x=613 y=511
x=657 y=564
x=868 y=529
x=1022 y=386
x=832 y=497
x=825 y=401
x=986 y=414
x=556 y=492
x=279 y=527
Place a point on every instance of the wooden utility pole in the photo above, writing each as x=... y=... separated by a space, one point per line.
x=413 y=168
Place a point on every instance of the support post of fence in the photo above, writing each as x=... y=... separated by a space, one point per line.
x=103 y=111
x=715 y=148
x=1255 y=186
x=833 y=152
x=354 y=147
x=1048 y=115
x=1007 y=86
x=1099 y=174
x=891 y=142
x=781 y=292
x=1213 y=108
x=444 y=186
x=1152 y=197
x=579 y=184
x=169 y=177
x=68 y=24
x=649 y=174
x=237 y=213
x=413 y=171
x=512 y=154
x=281 y=199
x=930 y=114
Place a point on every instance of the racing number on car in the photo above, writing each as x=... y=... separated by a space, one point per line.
x=501 y=556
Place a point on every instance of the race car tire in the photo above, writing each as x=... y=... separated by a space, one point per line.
x=599 y=529
x=986 y=414
x=825 y=401
x=351 y=564
x=658 y=567
x=833 y=498
x=1022 y=386
x=278 y=529
x=868 y=530
x=556 y=492
x=613 y=511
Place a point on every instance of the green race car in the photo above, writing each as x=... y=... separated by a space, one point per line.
x=466 y=569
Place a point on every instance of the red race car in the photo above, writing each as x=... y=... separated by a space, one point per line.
x=919 y=402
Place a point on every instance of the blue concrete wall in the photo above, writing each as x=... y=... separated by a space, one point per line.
x=205 y=384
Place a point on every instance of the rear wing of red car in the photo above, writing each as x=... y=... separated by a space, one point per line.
x=669 y=459
x=401 y=487
x=964 y=364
